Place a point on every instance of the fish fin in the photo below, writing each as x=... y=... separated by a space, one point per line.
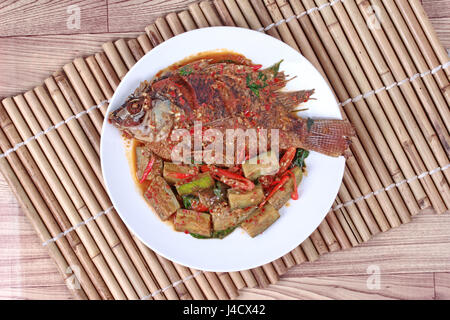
x=330 y=137
x=292 y=99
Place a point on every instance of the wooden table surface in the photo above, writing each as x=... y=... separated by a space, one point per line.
x=413 y=260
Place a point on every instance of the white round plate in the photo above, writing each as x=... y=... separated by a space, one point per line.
x=237 y=251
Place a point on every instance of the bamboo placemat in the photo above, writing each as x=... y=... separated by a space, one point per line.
x=386 y=67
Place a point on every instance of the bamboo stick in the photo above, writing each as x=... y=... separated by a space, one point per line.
x=84 y=95
x=328 y=236
x=283 y=28
x=322 y=55
x=76 y=106
x=360 y=225
x=298 y=255
x=363 y=208
x=107 y=69
x=125 y=53
x=225 y=16
x=318 y=242
x=174 y=278
x=424 y=58
x=430 y=33
x=174 y=23
x=144 y=41
x=70 y=208
x=135 y=49
x=100 y=77
x=114 y=58
x=228 y=284
x=249 y=278
x=154 y=35
x=95 y=185
x=391 y=112
x=439 y=111
x=198 y=16
x=430 y=129
x=237 y=15
x=156 y=270
x=384 y=125
x=289 y=261
x=90 y=83
x=186 y=20
x=193 y=283
x=216 y=285
x=75 y=184
x=237 y=280
x=205 y=286
x=346 y=216
x=410 y=110
x=249 y=14
x=46 y=193
x=35 y=209
x=210 y=13
x=260 y=277
x=75 y=127
x=263 y=16
x=270 y=272
x=338 y=231
x=309 y=250
x=367 y=128
x=278 y=266
x=163 y=28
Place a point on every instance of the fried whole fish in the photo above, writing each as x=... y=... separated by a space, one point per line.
x=225 y=95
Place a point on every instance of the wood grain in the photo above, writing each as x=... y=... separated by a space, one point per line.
x=35 y=41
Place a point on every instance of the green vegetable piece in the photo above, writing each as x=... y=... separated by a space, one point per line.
x=264 y=164
x=276 y=67
x=260 y=220
x=185 y=71
x=200 y=182
x=300 y=156
x=193 y=222
x=216 y=234
x=161 y=198
x=240 y=200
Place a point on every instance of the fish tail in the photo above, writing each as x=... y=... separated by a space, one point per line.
x=330 y=137
x=292 y=99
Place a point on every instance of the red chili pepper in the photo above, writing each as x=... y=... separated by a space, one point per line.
x=294 y=195
x=256 y=67
x=180 y=175
x=277 y=187
x=229 y=178
x=147 y=170
x=286 y=160
x=198 y=206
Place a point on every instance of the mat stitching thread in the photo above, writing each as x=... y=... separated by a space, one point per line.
x=341 y=104
x=172 y=285
x=346 y=204
x=56 y=126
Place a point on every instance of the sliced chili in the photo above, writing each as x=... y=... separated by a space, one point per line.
x=148 y=169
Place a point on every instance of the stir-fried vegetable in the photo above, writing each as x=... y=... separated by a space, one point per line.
x=243 y=199
x=161 y=197
x=211 y=202
x=190 y=221
x=260 y=220
x=264 y=164
x=200 y=182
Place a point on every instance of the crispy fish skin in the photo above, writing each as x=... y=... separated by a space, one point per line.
x=226 y=96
